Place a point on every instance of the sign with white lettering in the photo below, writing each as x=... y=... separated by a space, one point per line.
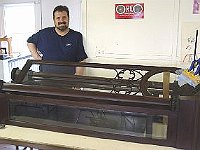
x=129 y=11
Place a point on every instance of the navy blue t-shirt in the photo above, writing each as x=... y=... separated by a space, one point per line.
x=59 y=48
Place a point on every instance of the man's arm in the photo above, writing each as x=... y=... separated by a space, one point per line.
x=80 y=70
x=32 y=48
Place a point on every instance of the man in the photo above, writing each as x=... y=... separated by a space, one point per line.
x=59 y=43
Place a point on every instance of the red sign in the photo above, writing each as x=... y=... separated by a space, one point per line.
x=129 y=11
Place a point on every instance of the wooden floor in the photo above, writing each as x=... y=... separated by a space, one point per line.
x=12 y=147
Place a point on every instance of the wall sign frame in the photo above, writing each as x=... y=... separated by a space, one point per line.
x=129 y=11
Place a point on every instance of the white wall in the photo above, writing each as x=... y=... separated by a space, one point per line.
x=75 y=14
x=47 y=10
x=153 y=37
x=188 y=24
x=92 y=21
x=101 y=35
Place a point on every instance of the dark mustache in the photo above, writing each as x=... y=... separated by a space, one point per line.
x=59 y=23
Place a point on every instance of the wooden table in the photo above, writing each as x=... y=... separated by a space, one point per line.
x=8 y=40
x=48 y=140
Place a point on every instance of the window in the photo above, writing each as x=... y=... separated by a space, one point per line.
x=19 y=23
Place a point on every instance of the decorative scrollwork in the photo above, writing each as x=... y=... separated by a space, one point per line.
x=127 y=81
x=136 y=81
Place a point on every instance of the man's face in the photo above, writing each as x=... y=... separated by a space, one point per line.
x=61 y=20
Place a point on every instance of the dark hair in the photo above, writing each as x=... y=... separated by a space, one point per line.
x=61 y=8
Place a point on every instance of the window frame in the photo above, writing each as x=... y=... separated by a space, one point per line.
x=37 y=10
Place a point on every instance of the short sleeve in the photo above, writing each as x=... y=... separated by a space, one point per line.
x=34 y=38
x=81 y=51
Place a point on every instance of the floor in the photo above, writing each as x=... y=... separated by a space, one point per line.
x=12 y=147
